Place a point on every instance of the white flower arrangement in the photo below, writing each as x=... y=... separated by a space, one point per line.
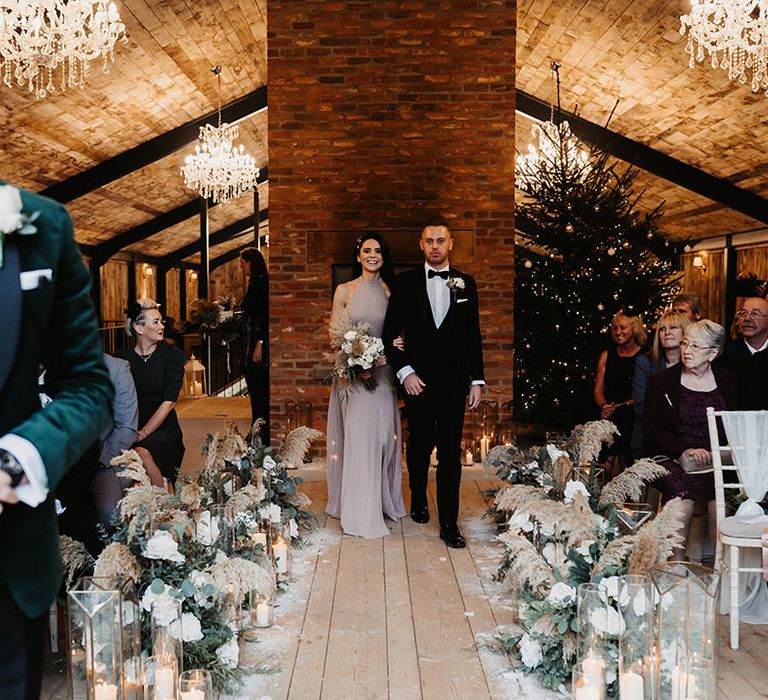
x=191 y=630
x=163 y=606
x=561 y=595
x=162 y=546
x=229 y=653
x=530 y=651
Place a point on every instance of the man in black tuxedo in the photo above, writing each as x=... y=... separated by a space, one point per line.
x=752 y=383
x=435 y=309
x=753 y=324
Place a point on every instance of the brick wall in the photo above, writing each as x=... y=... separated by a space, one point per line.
x=382 y=113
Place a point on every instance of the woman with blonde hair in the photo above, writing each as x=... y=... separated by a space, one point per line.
x=665 y=352
x=613 y=384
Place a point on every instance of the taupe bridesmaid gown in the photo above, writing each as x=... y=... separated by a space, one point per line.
x=364 y=451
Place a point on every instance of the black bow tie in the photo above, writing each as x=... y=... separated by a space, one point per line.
x=443 y=274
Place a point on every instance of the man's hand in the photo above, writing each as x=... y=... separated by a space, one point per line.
x=413 y=385
x=257 y=353
x=7 y=494
x=475 y=392
x=699 y=455
x=399 y=343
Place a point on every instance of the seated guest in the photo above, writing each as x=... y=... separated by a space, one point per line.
x=675 y=419
x=753 y=326
x=158 y=372
x=107 y=488
x=665 y=352
x=752 y=383
x=688 y=305
x=77 y=512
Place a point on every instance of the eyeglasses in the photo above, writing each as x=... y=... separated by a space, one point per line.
x=685 y=344
x=754 y=313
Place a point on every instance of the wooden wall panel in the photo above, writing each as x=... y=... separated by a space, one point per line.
x=146 y=281
x=753 y=259
x=709 y=284
x=172 y=295
x=190 y=280
x=114 y=290
x=228 y=279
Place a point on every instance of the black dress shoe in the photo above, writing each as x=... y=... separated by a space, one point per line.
x=452 y=537
x=420 y=514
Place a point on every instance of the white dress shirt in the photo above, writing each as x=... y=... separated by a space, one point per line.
x=26 y=454
x=752 y=350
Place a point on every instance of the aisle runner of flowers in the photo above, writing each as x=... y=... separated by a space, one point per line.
x=561 y=529
x=201 y=557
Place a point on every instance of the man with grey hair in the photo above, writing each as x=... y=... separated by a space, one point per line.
x=753 y=322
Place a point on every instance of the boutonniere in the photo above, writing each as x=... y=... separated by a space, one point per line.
x=455 y=284
x=12 y=218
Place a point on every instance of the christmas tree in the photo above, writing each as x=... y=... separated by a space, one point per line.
x=585 y=253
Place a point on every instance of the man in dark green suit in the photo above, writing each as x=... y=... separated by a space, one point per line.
x=46 y=320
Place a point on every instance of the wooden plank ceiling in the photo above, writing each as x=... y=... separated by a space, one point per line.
x=608 y=49
x=631 y=50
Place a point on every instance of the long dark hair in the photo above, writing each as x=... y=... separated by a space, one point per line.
x=387 y=271
x=256 y=260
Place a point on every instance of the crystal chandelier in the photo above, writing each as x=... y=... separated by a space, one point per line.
x=557 y=156
x=219 y=170
x=37 y=37
x=734 y=33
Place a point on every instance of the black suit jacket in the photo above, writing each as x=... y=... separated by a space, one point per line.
x=752 y=383
x=410 y=313
x=734 y=355
x=661 y=417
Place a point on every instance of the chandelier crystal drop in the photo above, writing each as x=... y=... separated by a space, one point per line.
x=734 y=34
x=219 y=170
x=40 y=37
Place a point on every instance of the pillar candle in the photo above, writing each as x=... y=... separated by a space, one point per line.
x=104 y=691
x=262 y=614
x=483 y=447
x=631 y=686
x=194 y=694
x=280 y=552
x=165 y=684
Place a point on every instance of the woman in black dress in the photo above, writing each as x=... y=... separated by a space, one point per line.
x=613 y=385
x=255 y=348
x=158 y=372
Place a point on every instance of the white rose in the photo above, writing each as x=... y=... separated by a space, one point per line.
x=269 y=464
x=229 y=653
x=561 y=595
x=554 y=452
x=530 y=651
x=294 y=528
x=572 y=488
x=207 y=530
x=10 y=209
x=608 y=621
x=162 y=546
x=583 y=549
x=163 y=606
x=612 y=586
x=191 y=630
x=553 y=554
x=350 y=335
x=520 y=521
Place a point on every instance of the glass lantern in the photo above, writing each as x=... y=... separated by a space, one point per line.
x=195 y=382
x=636 y=659
x=195 y=685
x=104 y=629
x=485 y=420
x=505 y=432
x=261 y=609
x=166 y=629
x=160 y=678
x=632 y=516
x=281 y=552
x=686 y=623
x=694 y=679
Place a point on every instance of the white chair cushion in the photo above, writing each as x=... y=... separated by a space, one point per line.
x=737 y=527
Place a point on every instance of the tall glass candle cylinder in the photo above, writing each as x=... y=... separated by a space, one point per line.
x=636 y=662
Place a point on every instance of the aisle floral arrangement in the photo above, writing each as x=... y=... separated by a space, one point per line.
x=199 y=546
x=560 y=530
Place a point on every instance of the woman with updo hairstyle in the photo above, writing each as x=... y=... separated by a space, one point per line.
x=158 y=372
x=254 y=358
x=613 y=385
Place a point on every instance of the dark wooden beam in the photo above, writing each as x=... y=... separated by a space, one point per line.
x=161 y=222
x=150 y=151
x=652 y=161
x=221 y=236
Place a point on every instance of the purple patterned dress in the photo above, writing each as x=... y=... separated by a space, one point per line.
x=694 y=430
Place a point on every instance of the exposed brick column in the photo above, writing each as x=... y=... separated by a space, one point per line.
x=381 y=114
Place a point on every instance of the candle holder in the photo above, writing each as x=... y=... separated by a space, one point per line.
x=160 y=678
x=599 y=627
x=195 y=685
x=104 y=630
x=281 y=553
x=262 y=610
x=195 y=384
x=467 y=456
x=686 y=619
x=505 y=432
x=588 y=682
x=261 y=536
x=694 y=679
x=632 y=516
x=636 y=662
x=166 y=634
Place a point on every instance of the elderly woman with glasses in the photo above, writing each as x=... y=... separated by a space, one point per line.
x=158 y=372
x=675 y=421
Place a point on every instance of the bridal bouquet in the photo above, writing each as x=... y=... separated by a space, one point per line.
x=357 y=353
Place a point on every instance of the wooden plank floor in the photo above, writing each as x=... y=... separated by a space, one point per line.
x=404 y=617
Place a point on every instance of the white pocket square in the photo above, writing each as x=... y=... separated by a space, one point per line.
x=31 y=278
x=461 y=301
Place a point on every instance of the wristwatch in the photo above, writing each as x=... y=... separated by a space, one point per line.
x=11 y=466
